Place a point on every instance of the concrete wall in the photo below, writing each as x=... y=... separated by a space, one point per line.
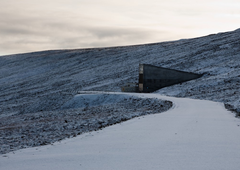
x=152 y=78
x=132 y=89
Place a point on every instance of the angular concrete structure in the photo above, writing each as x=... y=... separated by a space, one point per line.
x=152 y=78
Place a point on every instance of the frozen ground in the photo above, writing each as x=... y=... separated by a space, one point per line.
x=195 y=134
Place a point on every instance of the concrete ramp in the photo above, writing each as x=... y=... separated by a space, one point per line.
x=152 y=78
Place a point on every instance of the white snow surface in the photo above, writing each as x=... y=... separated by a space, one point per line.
x=194 y=134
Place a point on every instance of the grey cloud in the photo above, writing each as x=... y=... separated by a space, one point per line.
x=24 y=33
x=71 y=36
x=109 y=32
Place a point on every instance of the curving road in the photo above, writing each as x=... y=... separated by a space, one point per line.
x=194 y=134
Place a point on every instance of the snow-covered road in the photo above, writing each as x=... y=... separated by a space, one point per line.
x=194 y=134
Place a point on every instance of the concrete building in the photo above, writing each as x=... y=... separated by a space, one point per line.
x=152 y=78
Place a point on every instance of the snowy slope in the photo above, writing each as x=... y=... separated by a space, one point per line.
x=44 y=81
x=195 y=134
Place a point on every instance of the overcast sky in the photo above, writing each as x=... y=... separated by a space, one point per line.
x=34 y=25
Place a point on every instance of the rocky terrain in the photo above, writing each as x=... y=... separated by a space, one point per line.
x=75 y=118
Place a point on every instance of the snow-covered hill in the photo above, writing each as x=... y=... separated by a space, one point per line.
x=44 y=81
